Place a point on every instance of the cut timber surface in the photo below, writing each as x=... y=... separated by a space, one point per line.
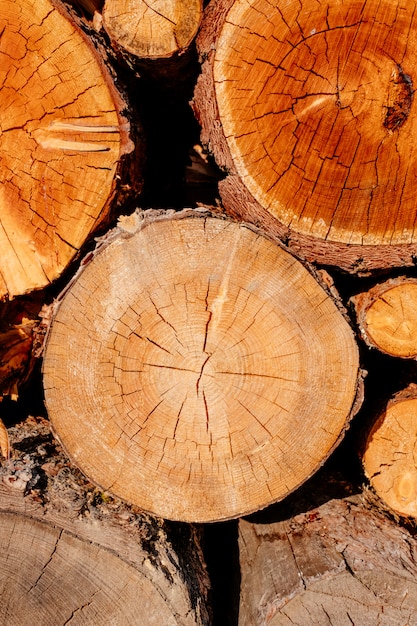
x=338 y=564
x=309 y=107
x=389 y=458
x=62 y=137
x=156 y=29
x=50 y=577
x=197 y=369
x=387 y=317
x=71 y=554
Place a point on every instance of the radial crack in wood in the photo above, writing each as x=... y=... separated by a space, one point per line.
x=72 y=554
x=197 y=369
x=309 y=108
x=153 y=29
x=49 y=576
x=62 y=137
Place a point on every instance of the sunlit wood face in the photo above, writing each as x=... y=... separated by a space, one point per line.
x=190 y=363
x=316 y=103
x=60 y=143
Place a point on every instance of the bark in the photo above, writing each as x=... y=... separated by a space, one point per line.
x=77 y=556
x=389 y=453
x=386 y=317
x=152 y=30
x=308 y=109
x=191 y=361
x=62 y=142
x=339 y=563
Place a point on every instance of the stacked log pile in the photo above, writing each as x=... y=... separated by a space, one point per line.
x=249 y=360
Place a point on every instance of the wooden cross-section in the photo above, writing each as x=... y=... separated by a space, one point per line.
x=198 y=370
x=61 y=140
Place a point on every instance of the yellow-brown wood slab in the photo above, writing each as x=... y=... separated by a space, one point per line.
x=198 y=370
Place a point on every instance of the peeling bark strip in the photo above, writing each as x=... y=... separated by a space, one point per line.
x=387 y=317
x=151 y=30
x=338 y=564
x=61 y=141
x=190 y=362
x=308 y=106
x=389 y=457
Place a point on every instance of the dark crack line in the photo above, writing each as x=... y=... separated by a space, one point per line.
x=47 y=563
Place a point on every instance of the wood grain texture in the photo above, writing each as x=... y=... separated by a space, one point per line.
x=339 y=564
x=62 y=138
x=151 y=30
x=71 y=554
x=190 y=363
x=309 y=109
x=387 y=316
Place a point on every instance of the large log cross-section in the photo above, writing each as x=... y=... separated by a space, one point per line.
x=309 y=107
x=62 y=136
x=197 y=369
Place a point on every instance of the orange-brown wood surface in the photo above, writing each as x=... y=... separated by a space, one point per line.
x=389 y=456
x=309 y=107
x=61 y=141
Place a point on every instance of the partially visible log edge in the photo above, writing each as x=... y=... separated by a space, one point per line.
x=63 y=136
x=294 y=150
x=340 y=563
x=80 y=554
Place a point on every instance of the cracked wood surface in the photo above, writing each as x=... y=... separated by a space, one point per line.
x=308 y=106
x=155 y=29
x=62 y=136
x=339 y=564
x=50 y=577
x=389 y=457
x=190 y=363
x=387 y=318
x=77 y=556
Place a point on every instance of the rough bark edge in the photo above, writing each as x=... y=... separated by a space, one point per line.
x=130 y=160
x=129 y=225
x=128 y=179
x=239 y=202
x=39 y=482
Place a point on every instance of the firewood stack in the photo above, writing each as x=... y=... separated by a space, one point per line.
x=218 y=362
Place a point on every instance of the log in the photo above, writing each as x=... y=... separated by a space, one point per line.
x=63 y=136
x=152 y=30
x=339 y=563
x=389 y=453
x=308 y=108
x=386 y=316
x=191 y=361
x=72 y=554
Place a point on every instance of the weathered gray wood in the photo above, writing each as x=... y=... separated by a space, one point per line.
x=73 y=555
x=339 y=564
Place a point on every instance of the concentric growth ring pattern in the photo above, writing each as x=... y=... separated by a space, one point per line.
x=316 y=102
x=196 y=361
